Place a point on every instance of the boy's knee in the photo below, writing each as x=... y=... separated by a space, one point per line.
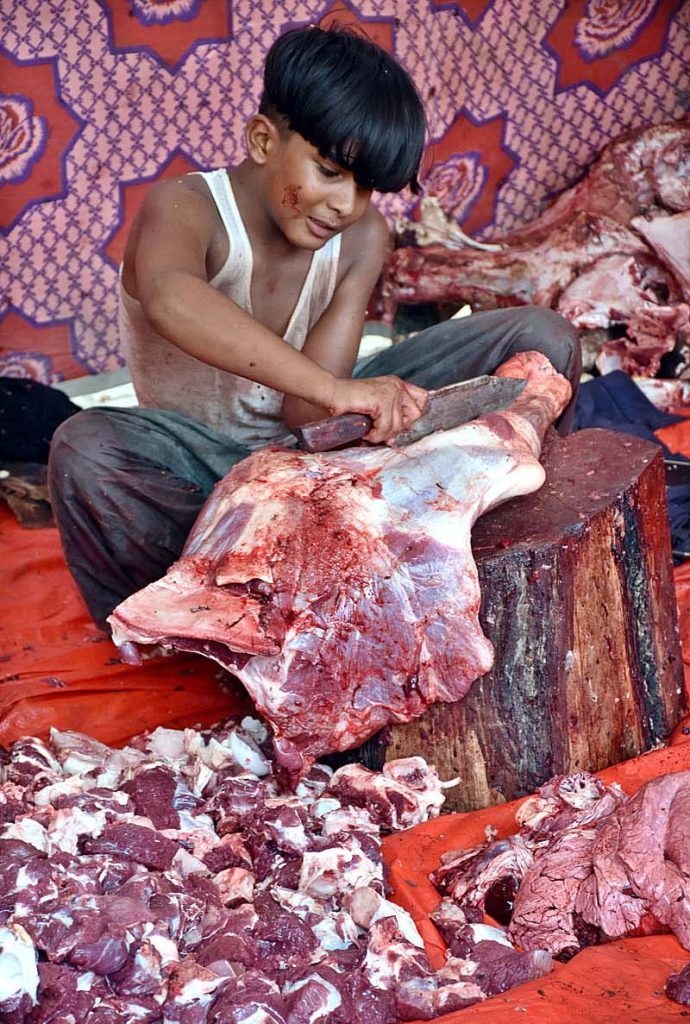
x=76 y=449
x=550 y=333
x=79 y=435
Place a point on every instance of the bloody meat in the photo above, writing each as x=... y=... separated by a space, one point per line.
x=611 y=254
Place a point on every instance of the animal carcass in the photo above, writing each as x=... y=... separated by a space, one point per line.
x=340 y=588
x=611 y=254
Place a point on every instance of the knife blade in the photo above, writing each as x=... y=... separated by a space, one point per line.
x=446 y=407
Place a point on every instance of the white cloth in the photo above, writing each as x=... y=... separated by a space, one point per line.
x=165 y=377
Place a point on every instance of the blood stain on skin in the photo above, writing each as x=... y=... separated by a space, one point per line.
x=291 y=196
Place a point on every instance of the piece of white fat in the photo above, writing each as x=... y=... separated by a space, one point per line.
x=404 y=921
x=18 y=967
x=199 y=989
x=199 y=777
x=341 y=869
x=165 y=948
x=168 y=744
x=234 y=749
x=298 y=902
x=324 y=805
x=70 y=823
x=348 y=819
x=246 y=754
x=336 y=931
x=487 y=933
x=235 y=885
x=187 y=864
x=78 y=753
x=292 y=837
x=367 y=907
x=256 y=729
x=26 y=830
x=70 y=786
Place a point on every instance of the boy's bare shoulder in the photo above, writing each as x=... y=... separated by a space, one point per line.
x=177 y=213
x=188 y=194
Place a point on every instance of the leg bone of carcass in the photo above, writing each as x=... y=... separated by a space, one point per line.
x=340 y=587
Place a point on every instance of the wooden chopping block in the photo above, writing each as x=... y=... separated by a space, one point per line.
x=578 y=600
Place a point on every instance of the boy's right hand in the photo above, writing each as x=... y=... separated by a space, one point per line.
x=393 y=404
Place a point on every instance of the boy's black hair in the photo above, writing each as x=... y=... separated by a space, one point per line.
x=349 y=99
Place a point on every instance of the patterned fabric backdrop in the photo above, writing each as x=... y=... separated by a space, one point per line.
x=99 y=98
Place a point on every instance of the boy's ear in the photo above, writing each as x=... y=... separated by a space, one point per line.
x=263 y=138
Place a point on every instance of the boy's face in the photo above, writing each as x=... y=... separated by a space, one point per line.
x=310 y=198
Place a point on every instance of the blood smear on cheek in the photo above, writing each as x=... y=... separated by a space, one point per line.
x=291 y=196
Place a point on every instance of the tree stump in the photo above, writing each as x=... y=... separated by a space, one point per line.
x=578 y=600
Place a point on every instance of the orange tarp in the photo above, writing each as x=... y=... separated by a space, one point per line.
x=57 y=669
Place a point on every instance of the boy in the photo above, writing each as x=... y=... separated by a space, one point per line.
x=243 y=294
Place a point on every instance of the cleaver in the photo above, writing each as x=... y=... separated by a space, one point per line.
x=446 y=407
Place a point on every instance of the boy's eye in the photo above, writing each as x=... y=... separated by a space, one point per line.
x=327 y=172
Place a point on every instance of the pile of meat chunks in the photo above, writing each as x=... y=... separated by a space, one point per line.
x=175 y=881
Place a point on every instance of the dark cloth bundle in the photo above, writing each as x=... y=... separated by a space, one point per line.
x=614 y=402
x=30 y=412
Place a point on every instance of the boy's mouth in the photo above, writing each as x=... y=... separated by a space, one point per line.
x=321 y=228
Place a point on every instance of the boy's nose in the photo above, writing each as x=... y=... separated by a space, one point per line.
x=343 y=199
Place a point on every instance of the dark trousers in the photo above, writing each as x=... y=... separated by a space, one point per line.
x=127 y=484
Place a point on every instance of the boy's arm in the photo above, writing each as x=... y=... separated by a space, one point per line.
x=175 y=231
x=176 y=228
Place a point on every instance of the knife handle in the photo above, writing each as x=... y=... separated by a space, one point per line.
x=333 y=431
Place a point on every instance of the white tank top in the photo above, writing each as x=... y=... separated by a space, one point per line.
x=165 y=377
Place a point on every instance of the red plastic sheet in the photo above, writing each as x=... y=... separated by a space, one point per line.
x=57 y=669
